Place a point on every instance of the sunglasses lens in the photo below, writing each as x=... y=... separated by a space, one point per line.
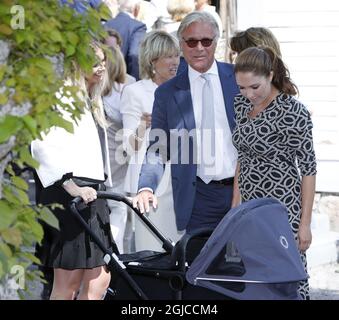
x=206 y=42
x=192 y=43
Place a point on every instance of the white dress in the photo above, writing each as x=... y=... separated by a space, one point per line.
x=136 y=99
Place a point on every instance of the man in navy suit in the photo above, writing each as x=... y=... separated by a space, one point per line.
x=200 y=199
x=132 y=33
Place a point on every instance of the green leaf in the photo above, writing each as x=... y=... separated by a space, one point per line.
x=19 y=183
x=36 y=229
x=9 y=195
x=12 y=236
x=27 y=235
x=22 y=196
x=72 y=38
x=26 y=157
x=5 y=249
x=47 y=215
x=2 y=272
x=19 y=36
x=70 y=50
x=55 y=35
x=30 y=123
x=10 y=170
x=2 y=71
x=31 y=257
x=15 y=196
x=30 y=37
x=43 y=122
x=9 y=126
x=7 y=216
x=4 y=7
x=105 y=12
x=42 y=63
x=5 y=29
x=10 y=82
x=58 y=121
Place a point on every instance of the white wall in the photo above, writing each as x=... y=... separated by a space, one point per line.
x=308 y=32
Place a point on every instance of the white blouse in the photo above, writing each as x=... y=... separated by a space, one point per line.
x=78 y=153
x=136 y=99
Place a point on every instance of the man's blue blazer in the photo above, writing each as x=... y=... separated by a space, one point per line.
x=172 y=111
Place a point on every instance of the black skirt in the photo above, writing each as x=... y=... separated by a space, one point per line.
x=71 y=247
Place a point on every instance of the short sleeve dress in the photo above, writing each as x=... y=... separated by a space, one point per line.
x=275 y=149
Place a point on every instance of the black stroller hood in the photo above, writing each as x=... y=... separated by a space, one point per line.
x=252 y=254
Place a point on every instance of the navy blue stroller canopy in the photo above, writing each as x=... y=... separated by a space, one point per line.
x=252 y=254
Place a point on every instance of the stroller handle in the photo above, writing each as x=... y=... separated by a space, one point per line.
x=167 y=244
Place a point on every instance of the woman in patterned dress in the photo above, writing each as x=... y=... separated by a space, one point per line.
x=273 y=136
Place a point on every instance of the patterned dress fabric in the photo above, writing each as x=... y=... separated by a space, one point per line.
x=275 y=149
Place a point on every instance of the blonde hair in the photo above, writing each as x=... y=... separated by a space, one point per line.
x=178 y=9
x=96 y=105
x=116 y=71
x=156 y=44
x=92 y=98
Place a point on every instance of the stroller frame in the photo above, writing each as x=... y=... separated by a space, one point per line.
x=178 y=253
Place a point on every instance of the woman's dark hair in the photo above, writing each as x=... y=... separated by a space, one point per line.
x=261 y=61
x=254 y=37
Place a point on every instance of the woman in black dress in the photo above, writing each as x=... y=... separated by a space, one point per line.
x=273 y=137
x=71 y=165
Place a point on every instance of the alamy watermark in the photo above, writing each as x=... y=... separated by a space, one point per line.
x=180 y=146
x=17 y=277
x=18 y=17
x=13 y=282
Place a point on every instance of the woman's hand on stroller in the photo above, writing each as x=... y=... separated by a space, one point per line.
x=87 y=194
x=142 y=201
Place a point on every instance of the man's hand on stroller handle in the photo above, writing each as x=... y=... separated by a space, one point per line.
x=142 y=201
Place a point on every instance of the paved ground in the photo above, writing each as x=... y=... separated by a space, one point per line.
x=324 y=283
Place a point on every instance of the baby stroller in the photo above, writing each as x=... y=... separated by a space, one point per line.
x=252 y=254
x=148 y=274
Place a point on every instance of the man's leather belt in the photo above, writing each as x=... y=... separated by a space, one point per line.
x=225 y=182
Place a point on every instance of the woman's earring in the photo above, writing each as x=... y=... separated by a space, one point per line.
x=153 y=68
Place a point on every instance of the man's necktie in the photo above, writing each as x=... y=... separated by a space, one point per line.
x=207 y=131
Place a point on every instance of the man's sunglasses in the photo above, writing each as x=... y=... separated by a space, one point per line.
x=205 y=42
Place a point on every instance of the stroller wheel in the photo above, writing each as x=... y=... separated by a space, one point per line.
x=176 y=283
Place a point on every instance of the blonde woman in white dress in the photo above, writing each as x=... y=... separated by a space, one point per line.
x=158 y=62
